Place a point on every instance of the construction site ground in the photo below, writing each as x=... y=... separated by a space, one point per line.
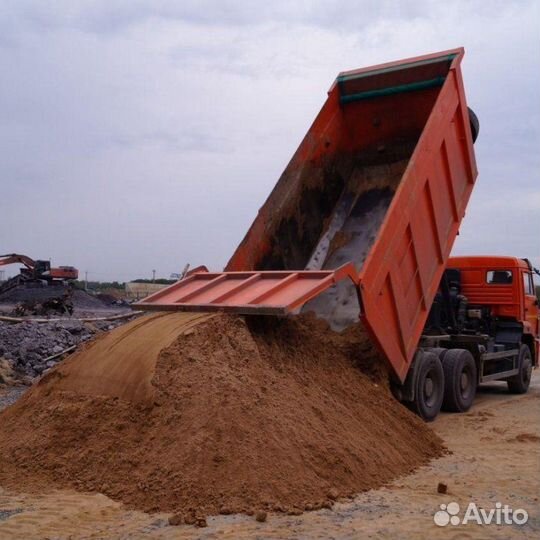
x=495 y=457
x=84 y=304
x=35 y=335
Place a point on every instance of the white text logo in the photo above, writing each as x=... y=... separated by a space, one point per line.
x=502 y=514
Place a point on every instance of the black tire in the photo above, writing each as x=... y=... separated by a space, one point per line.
x=475 y=124
x=460 y=380
x=519 y=384
x=428 y=387
x=439 y=351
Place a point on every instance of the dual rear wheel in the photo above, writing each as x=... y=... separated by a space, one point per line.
x=445 y=378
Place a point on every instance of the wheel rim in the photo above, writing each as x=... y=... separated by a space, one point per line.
x=430 y=390
x=428 y=387
x=465 y=382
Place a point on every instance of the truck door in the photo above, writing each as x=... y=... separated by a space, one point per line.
x=531 y=309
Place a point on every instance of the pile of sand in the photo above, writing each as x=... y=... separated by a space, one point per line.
x=198 y=414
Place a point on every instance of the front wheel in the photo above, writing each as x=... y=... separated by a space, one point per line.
x=429 y=387
x=519 y=384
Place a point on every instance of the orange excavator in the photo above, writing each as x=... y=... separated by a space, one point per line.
x=36 y=272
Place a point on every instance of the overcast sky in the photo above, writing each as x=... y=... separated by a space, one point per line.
x=140 y=135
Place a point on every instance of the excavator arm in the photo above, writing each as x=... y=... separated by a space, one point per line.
x=16 y=258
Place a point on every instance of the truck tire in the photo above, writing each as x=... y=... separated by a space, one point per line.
x=475 y=124
x=429 y=387
x=519 y=384
x=439 y=351
x=460 y=380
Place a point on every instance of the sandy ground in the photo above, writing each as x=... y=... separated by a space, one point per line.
x=495 y=458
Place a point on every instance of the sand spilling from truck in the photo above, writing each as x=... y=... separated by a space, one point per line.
x=201 y=414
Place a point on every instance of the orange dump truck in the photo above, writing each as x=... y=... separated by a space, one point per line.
x=361 y=225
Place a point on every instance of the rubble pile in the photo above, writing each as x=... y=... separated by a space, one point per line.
x=29 y=346
x=39 y=324
x=55 y=301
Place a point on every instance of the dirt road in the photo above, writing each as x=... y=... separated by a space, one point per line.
x=495 y=458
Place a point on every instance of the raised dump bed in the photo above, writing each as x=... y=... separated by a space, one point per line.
x=381 y=180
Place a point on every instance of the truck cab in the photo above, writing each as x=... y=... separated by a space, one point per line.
x=500 y=292
x=483 y=326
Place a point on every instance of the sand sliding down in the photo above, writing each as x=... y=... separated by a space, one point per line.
x=198 y=415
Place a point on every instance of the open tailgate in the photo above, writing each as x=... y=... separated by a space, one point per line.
x=256 y=293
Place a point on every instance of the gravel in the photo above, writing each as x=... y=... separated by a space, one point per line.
x=10 y=394
x=29 y=345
